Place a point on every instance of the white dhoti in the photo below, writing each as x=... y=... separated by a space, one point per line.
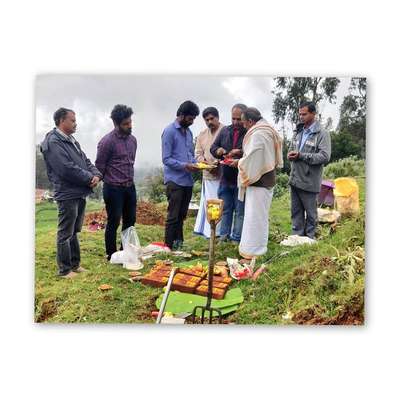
x=209 y=190
x=254 y=238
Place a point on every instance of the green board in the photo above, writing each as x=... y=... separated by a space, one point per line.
x=185 y=302
x=194 y=261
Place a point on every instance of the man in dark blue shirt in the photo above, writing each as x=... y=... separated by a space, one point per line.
x=179 y=163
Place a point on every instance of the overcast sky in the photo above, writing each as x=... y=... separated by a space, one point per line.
x=154 y=100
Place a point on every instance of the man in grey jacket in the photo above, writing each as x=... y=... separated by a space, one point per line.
x=73 y=177
x=309 y=151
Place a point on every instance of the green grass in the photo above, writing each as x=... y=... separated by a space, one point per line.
x=312 y=283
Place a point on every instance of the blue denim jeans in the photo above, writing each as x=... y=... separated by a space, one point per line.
x=233 y=212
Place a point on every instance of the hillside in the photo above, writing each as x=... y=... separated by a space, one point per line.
x=319 y=284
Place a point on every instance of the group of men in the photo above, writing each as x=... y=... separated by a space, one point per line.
x=245 y=157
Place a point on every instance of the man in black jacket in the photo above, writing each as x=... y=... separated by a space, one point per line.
x=73 y=177
x=228 y=146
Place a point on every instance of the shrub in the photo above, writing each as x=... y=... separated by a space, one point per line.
x=154 y=186
x=350 y=166
x=197 y=190
x=282 y=184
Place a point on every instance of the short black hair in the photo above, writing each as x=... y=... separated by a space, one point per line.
x=210 y=110
x=240 y=106
x=60 y=114
x=310 y=106
x=120 y=112
x=252 y=114
x=188 y=108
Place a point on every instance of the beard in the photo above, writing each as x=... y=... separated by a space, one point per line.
x=126 y=131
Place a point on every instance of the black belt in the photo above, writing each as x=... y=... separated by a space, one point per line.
x=125 y=184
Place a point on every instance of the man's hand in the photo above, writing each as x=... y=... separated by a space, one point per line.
x=234 y=163
x=95 y=180
x=293 y=155
x=235 y=153
x=214 y=171
x=191 y=167
x=220 y=152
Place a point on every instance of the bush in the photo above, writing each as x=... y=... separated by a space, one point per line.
x=197 y=190
x=350 y=166
x=97 y=192
x=344 y=145
x=282 y=184
x=154 y=186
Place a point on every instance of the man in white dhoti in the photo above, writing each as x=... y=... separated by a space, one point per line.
x=262 y=148
x=210 y=183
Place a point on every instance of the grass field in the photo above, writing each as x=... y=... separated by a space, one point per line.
x=319 y=284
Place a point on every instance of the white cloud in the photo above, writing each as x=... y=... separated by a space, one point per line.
x=154 y=100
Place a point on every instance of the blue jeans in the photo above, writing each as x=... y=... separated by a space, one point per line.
x=233 y=211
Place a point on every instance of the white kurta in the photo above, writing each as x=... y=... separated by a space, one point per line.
x=209 y=190
x=254 y=238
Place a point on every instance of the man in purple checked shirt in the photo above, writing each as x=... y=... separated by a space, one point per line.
x=116 y=153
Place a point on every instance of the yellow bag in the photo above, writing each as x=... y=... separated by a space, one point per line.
x=346 y=196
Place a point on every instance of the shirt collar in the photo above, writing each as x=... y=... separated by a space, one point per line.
x=65 y=136
x=119 y=134
x=216 y=131
x=178 y=126
x=311 y=128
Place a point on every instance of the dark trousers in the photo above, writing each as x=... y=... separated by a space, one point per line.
x=120 y=202
x=304 y=212
x=178 y=204
x=70 y=221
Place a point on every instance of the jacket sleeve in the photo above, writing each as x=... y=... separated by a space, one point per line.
x=323 y=155
x=216 y=145
x=63 y=166
x=92 y=168
x=167 y=145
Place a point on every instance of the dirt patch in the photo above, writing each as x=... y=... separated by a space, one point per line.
x=147 y=213
x=311 y=316
x=96 y=220
x=47 y=309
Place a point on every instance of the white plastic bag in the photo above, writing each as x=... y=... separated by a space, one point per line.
x=131 y=253
x=296 y=240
